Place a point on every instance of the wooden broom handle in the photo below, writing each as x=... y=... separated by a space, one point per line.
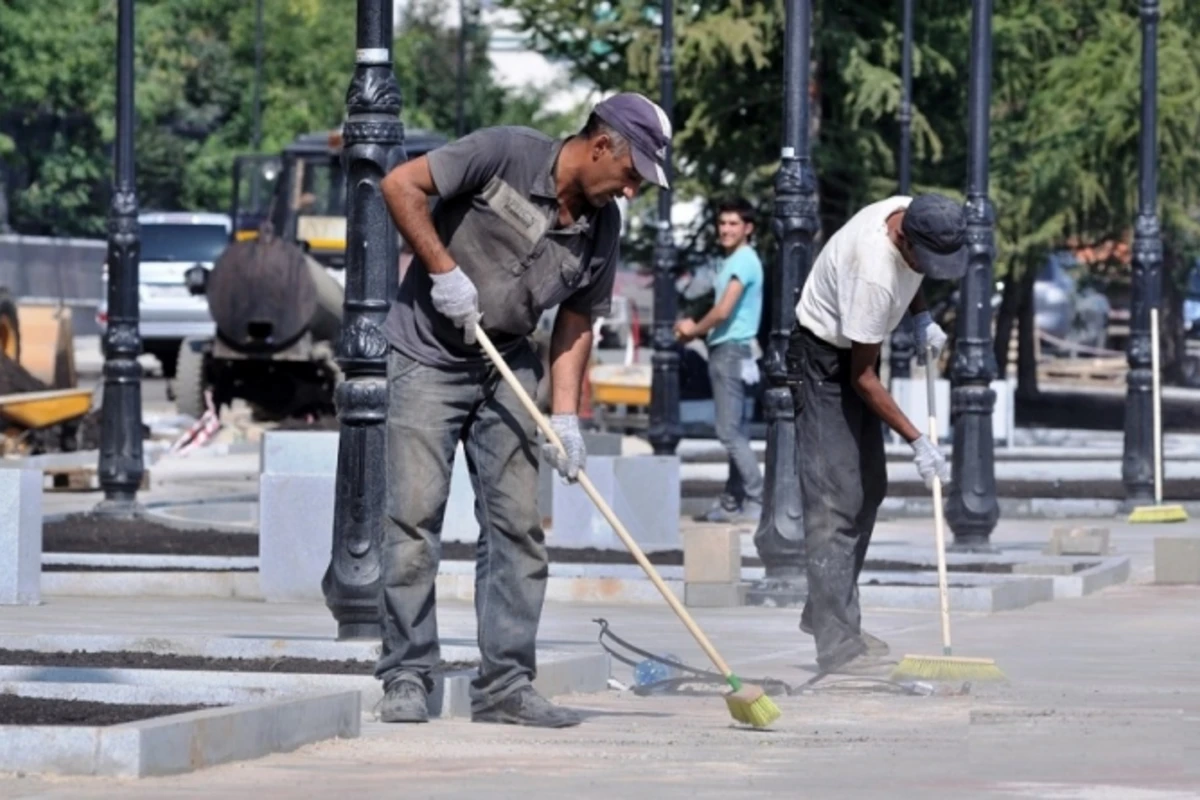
x=588 y=487
x=939 y=522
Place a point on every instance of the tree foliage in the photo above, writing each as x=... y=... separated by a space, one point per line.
x=194 y=94
x=1064 y=114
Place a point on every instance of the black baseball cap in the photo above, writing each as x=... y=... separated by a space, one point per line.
x=646 y=126
x=936 y=227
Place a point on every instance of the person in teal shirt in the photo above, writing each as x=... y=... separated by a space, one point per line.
x=730 y=328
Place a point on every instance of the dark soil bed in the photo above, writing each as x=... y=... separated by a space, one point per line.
x=16 y=710
x=83 y=533
x=125 y=659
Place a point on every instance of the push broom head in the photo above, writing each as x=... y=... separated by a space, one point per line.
x=1159 y=514
x=749 y=704
x=947 y=668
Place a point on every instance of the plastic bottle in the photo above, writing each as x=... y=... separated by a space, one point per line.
x=649 y=671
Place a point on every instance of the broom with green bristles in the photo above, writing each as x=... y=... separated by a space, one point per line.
x=747 y=703
x=946 y=666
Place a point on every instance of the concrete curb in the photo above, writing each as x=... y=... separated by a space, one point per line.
x=559 y=672
x=145 y=562
x=179 y=742
x=626 y=584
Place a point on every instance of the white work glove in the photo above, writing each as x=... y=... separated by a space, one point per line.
x=930 y=461
x=454 y=296
x=928 y=333
x=568 y=465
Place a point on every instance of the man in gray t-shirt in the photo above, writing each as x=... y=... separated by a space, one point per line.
x=522 y=223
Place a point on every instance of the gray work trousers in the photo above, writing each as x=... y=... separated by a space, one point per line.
x=745 y=481
x=843 y=480
x=430 y=410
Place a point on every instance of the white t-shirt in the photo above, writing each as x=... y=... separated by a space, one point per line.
x=859 y=286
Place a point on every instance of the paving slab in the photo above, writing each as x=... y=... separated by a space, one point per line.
x=1087 y=713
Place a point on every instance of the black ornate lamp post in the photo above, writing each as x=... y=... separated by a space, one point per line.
x=372 y=144
x=971 y=506
x=664 y=430
x=1137 y=466
x=902 y=345
x=780 y=535
x=121 y=466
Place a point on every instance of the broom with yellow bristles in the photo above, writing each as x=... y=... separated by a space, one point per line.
x=1157 y=512
x=946 y=666
x=747 y=703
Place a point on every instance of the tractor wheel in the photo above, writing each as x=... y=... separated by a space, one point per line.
x=10 y=330
x=191 y=378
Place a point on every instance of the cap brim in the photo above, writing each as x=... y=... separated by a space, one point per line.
x=649 y=169
x=941 y=266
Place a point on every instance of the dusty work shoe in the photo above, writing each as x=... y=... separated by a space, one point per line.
x=875 y=645
x=751 y=511
x=526 y=707
x=721 y=511
x=864 y=666
x=404 y=701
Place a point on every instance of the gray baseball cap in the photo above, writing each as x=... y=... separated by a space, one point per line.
x=936 y=227
x=641 y=121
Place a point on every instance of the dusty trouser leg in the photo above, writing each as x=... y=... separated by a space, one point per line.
x=511 y=562
x=729 y=401
x=427 y=408
x=841 y=466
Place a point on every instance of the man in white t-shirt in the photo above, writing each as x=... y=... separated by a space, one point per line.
x=863 y=281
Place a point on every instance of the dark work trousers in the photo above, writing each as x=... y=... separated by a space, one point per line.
x=430 y=410
x=843 y=480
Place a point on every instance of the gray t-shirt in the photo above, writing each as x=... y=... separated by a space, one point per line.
x=497 y=215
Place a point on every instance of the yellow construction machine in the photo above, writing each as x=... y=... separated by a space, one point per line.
x=41 y=404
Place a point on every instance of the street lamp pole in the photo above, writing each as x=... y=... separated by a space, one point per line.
x=902 y=345
x=971 y=506
x=373 y=139
x=121 y=466
x=664 y=430
x=1137 y=465
x=780 y=535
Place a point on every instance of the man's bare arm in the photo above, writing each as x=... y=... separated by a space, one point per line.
x=866 y=382
x=918 y=303
x=406 y=191
x=570 y=349
x=722 y=310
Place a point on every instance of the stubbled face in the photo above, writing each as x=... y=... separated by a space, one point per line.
x=732 y=232
x=607 y=176
x=906 y=252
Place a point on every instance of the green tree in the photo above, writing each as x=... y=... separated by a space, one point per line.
x=194 y=68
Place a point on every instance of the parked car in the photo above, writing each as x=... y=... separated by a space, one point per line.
x=171 y=244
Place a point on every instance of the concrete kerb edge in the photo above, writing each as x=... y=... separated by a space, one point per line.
x=559 y=673
x=182 y=742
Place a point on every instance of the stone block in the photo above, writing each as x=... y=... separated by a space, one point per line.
x=299 y=453
x=912 y=395
x=1177 y=559
x=712 y=555
x=714 y=595
x=295 y=535
x=643 y=492
x=597 y=443
x=1077 y=541
x=20 y=536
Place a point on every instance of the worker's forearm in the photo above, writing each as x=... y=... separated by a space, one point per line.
x=570 y=349
x=409 y=209
x=877 y=398
x=709 y=321
x=918 y=303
